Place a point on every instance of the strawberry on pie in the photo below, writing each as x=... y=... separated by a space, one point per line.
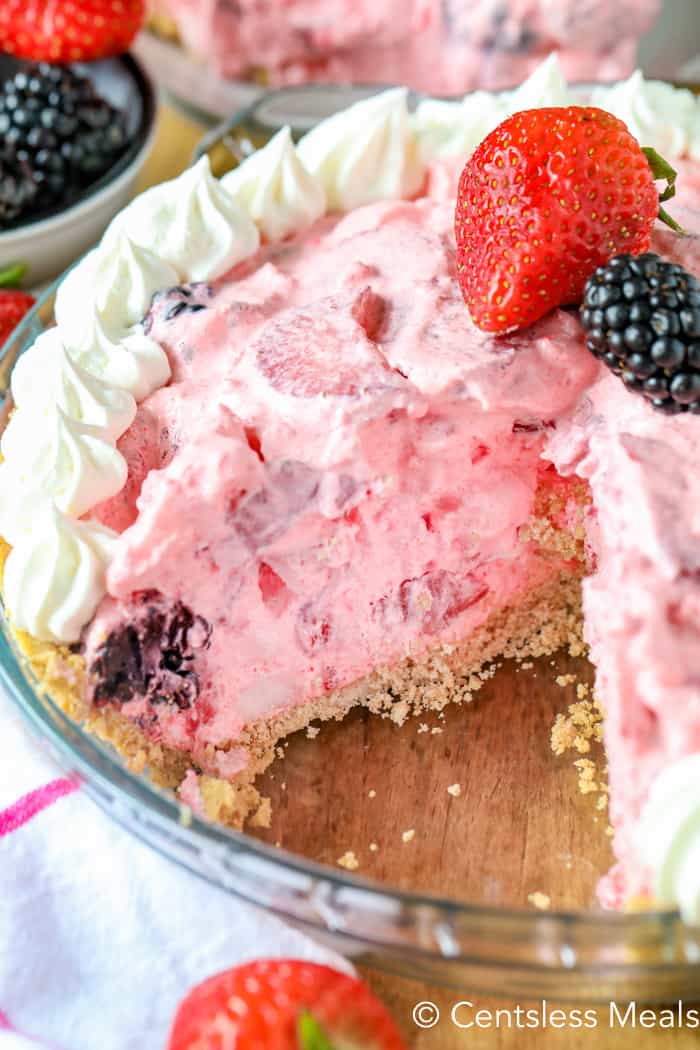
x=273 y=475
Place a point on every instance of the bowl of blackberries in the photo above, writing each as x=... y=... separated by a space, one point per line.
x=73 y=139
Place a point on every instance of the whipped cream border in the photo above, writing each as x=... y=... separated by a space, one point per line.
x=667 y=836
x=373 y=150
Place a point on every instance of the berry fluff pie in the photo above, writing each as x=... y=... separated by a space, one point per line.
x=267 y=466
x=441 y=46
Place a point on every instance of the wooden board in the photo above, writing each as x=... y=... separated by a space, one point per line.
x=519 y=826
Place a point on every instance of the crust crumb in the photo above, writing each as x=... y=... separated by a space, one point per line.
x=262 y=818
x=579 y=730
x=541 y=901
x=586 y=776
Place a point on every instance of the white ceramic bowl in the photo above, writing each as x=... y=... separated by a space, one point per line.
x=50 y=244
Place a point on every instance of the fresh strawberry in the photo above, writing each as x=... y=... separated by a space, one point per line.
x=13 y=304
x=545 y=199
x=283 y=1005
x=69 y=30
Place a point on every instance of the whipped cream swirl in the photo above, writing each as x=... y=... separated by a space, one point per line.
x=668 y=836
x=73 y=464
x=99 y=307
x=366 y=153
x=546 y=86
x=55 y=576
x=455 y=129
x=46 y=377
x=657 y=114
x=197 y=226
x=276 y=190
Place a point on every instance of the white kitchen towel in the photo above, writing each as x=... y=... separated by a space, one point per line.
x=100 y=936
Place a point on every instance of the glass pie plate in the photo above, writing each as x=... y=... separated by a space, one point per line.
x=446 y=882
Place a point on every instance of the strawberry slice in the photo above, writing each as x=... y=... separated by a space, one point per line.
x=283 y=1004
x=69 y=30
x=546 y=198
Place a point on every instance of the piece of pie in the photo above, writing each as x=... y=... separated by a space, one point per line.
x=441 y=46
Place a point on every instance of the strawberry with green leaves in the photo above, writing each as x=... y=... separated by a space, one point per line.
x=283 y=1004
x=14 y=304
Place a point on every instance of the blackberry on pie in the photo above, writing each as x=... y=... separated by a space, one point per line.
x=642 y=316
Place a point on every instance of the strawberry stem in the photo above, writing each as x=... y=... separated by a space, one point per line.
x=12 y=275
x=661 y=169
x=670 y=221
x=311 y=1035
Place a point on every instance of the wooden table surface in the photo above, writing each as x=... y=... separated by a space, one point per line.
x=176 y=139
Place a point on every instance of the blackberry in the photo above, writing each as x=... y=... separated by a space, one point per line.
x=57 y=135
x=153 y=657
x=172 y=302
x=642 y=316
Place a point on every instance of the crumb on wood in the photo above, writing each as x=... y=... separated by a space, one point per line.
x=578 y=731
x=348 y=861
x=373 y=847
x=587 y=782
x=312 y=732
x=455 y=790
x=435 y=731
x=541 y=901
x=408 y=835
x=400 y=712
x=371 y=793
x=565 y=679
x=423 y=727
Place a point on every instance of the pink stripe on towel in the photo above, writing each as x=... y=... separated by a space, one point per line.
x=29 y=805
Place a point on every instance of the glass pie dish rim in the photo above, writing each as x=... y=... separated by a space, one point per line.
x=452 y=926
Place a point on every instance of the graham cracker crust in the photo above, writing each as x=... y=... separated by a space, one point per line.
x=533 y=624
